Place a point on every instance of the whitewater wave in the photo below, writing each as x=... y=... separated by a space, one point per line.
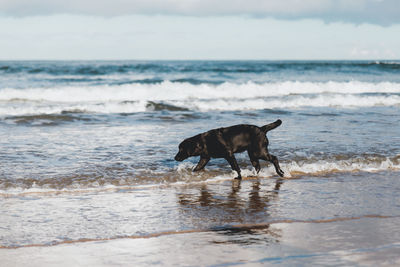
x=370 y=164
x=166 y=91
x=36 y=110
x=387 y=62
x=176 y=96
x=182 y=175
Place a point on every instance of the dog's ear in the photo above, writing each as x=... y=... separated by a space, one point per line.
x=199 y=147
x=195 y=146
x=187 y=146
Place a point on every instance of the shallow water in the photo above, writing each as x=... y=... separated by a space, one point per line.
x=124 y=150
x=86 y=163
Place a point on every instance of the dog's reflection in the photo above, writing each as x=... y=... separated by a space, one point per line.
x=238 y=212
x=258 y=199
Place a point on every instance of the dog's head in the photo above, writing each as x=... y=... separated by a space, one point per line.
x=188 y=148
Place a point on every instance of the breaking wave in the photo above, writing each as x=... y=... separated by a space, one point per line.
x=166 y=91
x=181 y=96
x=182 y=174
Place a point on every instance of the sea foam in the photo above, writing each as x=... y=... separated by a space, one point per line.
x=203 y=97
x=182 y=175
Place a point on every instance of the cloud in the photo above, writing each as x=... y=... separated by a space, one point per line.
x=382 y=12
x=142 y=37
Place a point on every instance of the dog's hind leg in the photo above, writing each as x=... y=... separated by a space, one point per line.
x=202 y=163
x=254 y=162
x=234 y=165
x=274 y=160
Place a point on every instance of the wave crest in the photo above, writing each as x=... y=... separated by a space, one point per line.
x=167 y=91
x=182 y=174
x=178 y=96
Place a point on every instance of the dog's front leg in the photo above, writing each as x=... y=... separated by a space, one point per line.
x=234 y=165
x=202 y=163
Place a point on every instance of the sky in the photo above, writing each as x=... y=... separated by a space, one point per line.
x=199 y=29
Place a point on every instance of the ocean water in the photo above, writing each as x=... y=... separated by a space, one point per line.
x=87 y=152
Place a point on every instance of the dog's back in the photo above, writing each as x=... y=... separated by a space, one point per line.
x=239 y=138
x=234 y=139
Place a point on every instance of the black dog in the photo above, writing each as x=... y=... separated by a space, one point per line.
x=224 y=142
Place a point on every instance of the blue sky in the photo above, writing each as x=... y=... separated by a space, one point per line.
x=193 y=29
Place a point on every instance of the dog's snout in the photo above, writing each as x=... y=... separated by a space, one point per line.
x=178 y=158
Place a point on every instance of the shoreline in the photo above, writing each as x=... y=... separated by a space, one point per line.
x=284 y=243
x=238 y=227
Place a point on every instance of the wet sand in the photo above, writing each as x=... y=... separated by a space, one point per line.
x=334 y=242
x=337 y=219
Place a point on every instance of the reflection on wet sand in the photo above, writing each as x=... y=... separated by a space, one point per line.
x=234 y=200
x=247 y=235
x=245 y=202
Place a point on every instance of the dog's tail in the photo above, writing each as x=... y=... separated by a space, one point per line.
x=271 y=126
